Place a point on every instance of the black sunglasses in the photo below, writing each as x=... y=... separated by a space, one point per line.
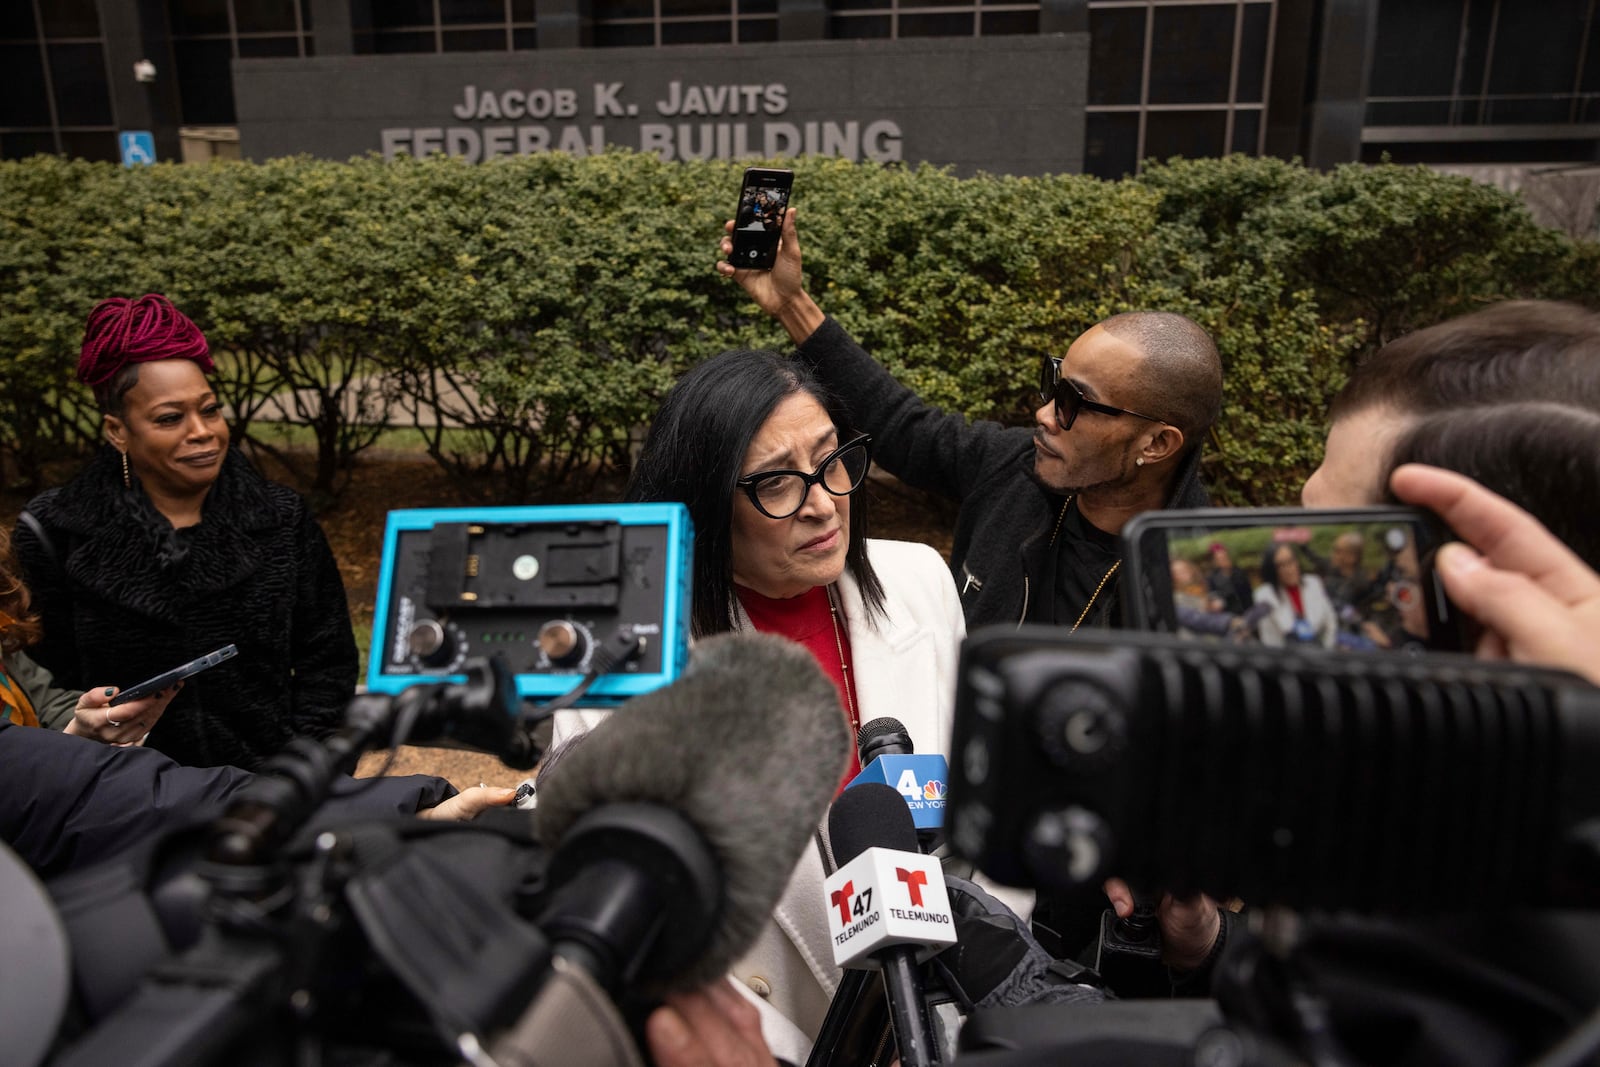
x=1070 y=399
x=777 y=494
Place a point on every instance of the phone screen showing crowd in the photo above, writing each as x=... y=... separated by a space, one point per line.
x=1348 y=586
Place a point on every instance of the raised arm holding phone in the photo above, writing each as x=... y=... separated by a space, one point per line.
x=1123 y=410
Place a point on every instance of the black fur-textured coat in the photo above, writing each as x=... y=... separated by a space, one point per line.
x=124 y=596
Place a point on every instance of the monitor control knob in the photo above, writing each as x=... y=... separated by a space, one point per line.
x=431 y=643
x=563 y=642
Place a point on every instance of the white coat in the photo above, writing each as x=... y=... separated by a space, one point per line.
x=905 y=667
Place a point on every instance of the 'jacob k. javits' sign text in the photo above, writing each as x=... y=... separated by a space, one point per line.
x=1007 y=105
x=735 y=121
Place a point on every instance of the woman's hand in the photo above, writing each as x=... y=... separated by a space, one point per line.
x=123 y=725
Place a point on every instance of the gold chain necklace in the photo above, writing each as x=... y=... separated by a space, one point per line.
x=1103 y=579
x=844 y=667
x=1094 y=595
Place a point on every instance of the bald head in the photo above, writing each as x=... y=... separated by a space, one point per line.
x=1182 y=376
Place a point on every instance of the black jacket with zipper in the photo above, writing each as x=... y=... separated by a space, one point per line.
x=1004 y=554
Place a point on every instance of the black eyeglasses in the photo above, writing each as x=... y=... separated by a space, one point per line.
x=779 y=494
x=1070 y=399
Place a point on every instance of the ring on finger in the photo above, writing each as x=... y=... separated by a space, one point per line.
x=110 y=721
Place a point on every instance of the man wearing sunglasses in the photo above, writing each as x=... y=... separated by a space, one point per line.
x=1118 y=432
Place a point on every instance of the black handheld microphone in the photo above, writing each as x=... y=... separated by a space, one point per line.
x=888 y=756
x=883 y=737
x=875 y=817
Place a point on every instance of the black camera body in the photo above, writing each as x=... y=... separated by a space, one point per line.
x=1302 y=778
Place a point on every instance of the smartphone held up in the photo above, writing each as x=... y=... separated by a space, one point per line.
x=758 y=223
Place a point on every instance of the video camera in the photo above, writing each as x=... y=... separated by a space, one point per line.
x=1452 y=799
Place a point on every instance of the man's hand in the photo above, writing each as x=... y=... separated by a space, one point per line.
x=712 y=1027
x=1538 y=602
x=469 y=803
x=1189 y=926
x=780 y=292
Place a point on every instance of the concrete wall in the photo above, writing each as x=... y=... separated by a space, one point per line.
x=1010 y=105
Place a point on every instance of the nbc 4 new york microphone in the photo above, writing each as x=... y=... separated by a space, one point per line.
x=888 y=758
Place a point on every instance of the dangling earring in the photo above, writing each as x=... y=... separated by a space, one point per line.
x=127 y=479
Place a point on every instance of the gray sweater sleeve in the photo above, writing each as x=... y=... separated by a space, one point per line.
x=53 y=704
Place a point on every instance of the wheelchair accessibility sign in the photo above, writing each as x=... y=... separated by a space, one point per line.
x=138 y=147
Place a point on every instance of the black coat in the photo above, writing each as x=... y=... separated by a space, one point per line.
x=68 y=802
x=1004 y=554
x=123 y=596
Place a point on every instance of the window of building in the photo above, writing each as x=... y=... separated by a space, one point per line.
x=646 y=23
x=396 y=26
x=1485 y=63
x=78 y=75
x=1175 y=78
x=68 y=18
x=207 y=35
x=55 y=96
x=905 y=19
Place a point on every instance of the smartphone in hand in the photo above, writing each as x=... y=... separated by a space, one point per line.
x=1358 y=579
x=161 y=681
x=763 y=202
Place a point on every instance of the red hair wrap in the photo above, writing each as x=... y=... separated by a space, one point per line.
x=122 y=331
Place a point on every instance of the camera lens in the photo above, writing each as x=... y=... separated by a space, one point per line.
x=1067 y=848
x=1080 y=724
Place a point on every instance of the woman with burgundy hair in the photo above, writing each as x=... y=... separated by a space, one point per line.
x=169 y=545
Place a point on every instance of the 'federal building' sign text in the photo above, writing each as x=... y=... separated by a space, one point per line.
x=712 y=122
x=1006 y=105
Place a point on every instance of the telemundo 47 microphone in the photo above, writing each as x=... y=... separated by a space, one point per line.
x=887 y=907
x=889 y=758
x=676 y=823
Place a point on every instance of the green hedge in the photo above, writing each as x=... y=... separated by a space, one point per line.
x=539 y=307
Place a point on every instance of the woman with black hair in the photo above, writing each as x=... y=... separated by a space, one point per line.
x=1299 y=610
x=769 y=467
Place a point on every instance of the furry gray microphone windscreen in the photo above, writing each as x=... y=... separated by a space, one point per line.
x=748 y=746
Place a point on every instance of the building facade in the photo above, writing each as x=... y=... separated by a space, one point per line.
x=1015 y=85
